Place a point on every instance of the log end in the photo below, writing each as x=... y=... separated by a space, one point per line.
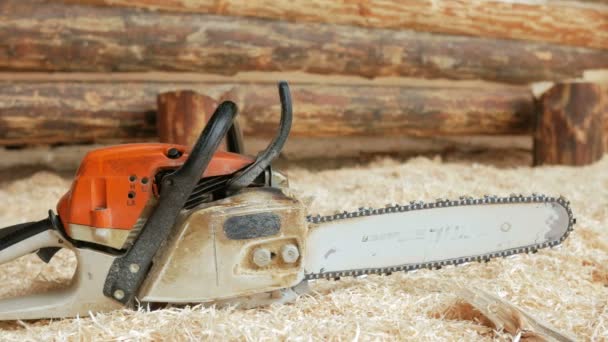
x=570 y=124
x=182 y=115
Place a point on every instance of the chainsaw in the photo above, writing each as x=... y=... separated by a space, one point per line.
x=165 y=224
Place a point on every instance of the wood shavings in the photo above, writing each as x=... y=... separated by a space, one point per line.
x=565 y=286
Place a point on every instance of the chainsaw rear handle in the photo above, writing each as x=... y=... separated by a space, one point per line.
x=24 y=238
x=85 y=290
x=129 y=270
x=13 y=234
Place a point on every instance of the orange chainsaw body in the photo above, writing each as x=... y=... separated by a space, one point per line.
x=113 y=185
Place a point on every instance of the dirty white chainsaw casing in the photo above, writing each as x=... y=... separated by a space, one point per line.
x=217 y=251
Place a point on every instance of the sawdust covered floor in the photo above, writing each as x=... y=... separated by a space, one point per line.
x=566 y=287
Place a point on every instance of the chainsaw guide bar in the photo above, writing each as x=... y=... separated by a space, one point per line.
x=444 y=203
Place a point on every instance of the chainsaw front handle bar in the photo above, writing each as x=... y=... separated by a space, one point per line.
x=274 y=148
x=129 y=270
x=234 y=140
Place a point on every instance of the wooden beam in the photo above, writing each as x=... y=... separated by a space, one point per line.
x=570 y=127
x=70 y=112
x=38 y=36
x=575 y=23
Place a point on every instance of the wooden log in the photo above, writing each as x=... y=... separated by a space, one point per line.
x=324 y=151
x=35 y=35
x=561 y=22
x=570 y=127
x=70 y=112
x=182 y=115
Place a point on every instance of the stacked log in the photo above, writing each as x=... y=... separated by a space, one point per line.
x=77 y=112
x=40 y=36
x=582 y=23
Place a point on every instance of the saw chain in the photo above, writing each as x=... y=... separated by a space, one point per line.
x=440 y=203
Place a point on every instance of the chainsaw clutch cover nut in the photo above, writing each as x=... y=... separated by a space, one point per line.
x=261 y=257
x=290 y=253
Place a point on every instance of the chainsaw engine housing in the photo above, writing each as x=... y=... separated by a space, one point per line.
x=218 y=249
x=115 y=189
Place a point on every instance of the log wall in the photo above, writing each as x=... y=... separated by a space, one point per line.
x=509 y=43
x=40 y=36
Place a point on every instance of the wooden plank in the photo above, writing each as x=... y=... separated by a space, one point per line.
x=575 y=23
x=570 y=126
x=70 y=112
x=37 y=36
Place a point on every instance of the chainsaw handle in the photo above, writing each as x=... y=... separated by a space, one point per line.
x=234 y=140
x=83 y=295
x=203 y=149
x=274 y=148
x=25 y=238
x=13 y=234
x=122 y=282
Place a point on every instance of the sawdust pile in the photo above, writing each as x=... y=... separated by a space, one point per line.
x=566 y=287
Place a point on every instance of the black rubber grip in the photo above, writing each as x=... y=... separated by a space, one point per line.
x=245 y=178
x=14 y=234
